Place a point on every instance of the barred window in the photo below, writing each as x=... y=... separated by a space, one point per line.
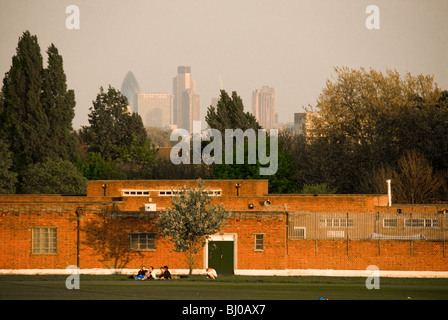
x=339 y=223
x=390 y=223
x=428 y=223
x=259 y=242
x=142 y=241
x=43 y=240
x=296 y=233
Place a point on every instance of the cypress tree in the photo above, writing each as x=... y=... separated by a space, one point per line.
x=23 y=121
x=59 y=104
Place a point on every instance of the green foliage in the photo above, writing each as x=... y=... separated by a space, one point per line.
x=229 y=114
x=36 y=110
x=112 y=126
x=23 y=121
x=119 y=136
x=367 y=120
x=53 y=176
x=59 y=104
x=320 y=188
x=8 y=178
x=98 y=168
x=190 y=220
x=280 y=182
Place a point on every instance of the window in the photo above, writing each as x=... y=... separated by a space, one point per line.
x=259 y=242
x=335 y=234
x=135 y=193
x=43 y=240
x=142 y=241
x=390 y=223
x=298 y=233
x=338 y=223
x=428 y=223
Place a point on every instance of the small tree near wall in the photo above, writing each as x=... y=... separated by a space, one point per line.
x=191 y=220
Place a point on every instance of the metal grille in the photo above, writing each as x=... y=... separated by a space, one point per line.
x=367 y=226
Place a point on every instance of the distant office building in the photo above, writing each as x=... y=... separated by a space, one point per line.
x=156 y=109
x=186 y=102
x=263 y=107
x=130 y=89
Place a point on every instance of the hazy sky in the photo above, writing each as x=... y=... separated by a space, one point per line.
x=291 y=45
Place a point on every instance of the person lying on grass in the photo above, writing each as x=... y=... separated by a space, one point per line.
x=211 y=273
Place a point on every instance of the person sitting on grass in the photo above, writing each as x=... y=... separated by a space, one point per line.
x=211 y=273
x=142 y=273
x=151 y=274
x=165 y=273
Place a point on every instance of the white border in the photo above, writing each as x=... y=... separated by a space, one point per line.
x=242 y=272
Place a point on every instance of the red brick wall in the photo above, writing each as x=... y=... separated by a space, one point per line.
x=247 y=187
x=417 y=255
x=15 y=243
x=104 y=239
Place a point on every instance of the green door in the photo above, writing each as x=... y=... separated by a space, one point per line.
x=220 y=256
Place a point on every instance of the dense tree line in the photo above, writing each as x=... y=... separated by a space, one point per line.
x=371 y=125
x=367 y=127
x=40 y=152
x=36 y=113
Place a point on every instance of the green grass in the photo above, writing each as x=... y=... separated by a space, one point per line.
x=119 y=287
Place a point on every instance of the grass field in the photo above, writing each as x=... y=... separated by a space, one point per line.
x=119 y=287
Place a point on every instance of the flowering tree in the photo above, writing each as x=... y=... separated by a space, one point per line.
x=191 y=220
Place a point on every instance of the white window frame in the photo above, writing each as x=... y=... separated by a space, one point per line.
x=44 y=240
x=257 y=243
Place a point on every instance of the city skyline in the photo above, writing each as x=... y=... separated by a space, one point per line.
x=291 y=46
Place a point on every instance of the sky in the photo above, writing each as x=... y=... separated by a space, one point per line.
x=290 y=45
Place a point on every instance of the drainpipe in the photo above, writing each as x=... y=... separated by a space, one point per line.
x=389 y=192
x=78 y=218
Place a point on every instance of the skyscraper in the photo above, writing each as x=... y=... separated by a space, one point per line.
x=130 y=89
x=263 y=107
x=155 y=109
x=186 y=102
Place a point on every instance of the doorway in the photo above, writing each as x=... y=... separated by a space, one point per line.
x=221 y=257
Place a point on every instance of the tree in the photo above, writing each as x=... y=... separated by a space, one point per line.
x=112 y=126
x=320 y=188
x=229 y=114
x=96 y=167
x=367 y=119
x=59 y=104
x=36 y=109
x=191 y=220
x=23 y=120
x=8 y=178
x=53 y=176
x=415 y=180
x=118 y=136
x=280 y=182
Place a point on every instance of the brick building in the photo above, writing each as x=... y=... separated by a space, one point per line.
x=112 y=228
